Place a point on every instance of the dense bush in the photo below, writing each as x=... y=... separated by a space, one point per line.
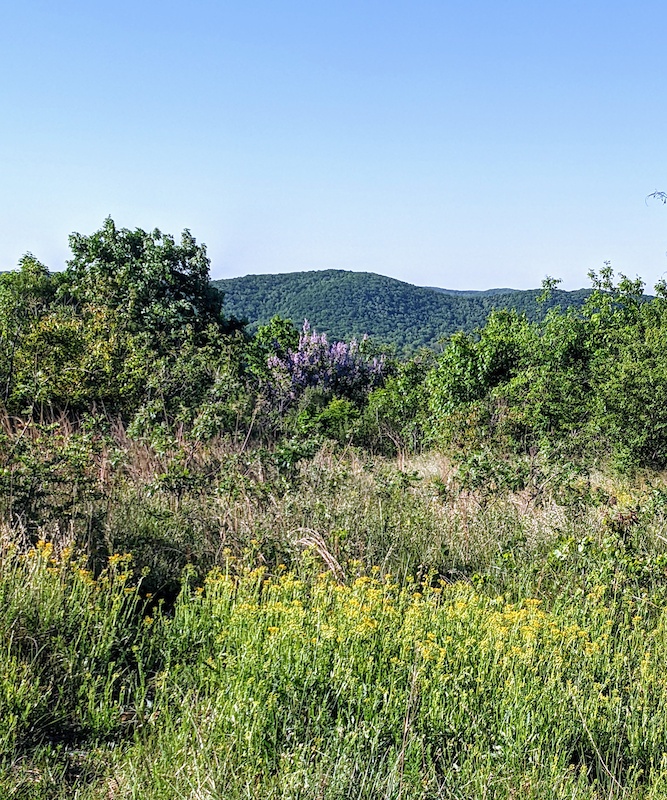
x=585 y=383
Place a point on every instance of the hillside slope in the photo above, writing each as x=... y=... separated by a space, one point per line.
x=347 y=304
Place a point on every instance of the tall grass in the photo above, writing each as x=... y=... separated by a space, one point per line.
x=335 y=627
x=68 y=666
x=303 y=686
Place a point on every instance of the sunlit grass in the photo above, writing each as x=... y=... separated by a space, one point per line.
x=291 y=685
x=403 y=638
x=423 y=692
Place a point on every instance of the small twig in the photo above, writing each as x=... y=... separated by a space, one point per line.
x=250 y=427
x=15 y=444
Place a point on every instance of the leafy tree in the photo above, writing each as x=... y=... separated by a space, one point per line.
x=396 y=412
x=547 y=399
x=128 y=313
x=516 y=383
x=159 y=287
x=277 y=338
x=472 y=365
x=629 y=370
x=25 y=295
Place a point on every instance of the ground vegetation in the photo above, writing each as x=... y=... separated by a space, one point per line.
x=271 y=563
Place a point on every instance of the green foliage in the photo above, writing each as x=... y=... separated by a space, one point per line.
x=350 y=304
x=161 y=288
x=305 y=617
x=24 y=295
x=132 y=325
x=461 y=387
x=470 y=366
x=277 y=338
x=68 y=648
x=396 y=416
x=578 y=384
x=333 y=418
x=199 y=386
x=49 y=481
x=629 y=412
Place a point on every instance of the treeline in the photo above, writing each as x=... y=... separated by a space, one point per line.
x=346 y=304
x=133 y=329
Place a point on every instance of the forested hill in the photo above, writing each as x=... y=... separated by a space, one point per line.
x=350 y=304
x=472 y=292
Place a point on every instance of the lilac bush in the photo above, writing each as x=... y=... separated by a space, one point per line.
x=336 y=367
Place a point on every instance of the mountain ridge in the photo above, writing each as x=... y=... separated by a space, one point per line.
x=475 y=292
x=346 y=304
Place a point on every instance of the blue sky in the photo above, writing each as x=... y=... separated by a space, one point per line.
x=458 y=144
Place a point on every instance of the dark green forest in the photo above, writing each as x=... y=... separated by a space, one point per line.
x=346 y=304
x=263 y=561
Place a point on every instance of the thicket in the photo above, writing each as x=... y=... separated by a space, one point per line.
x=133 y=330
x=276 y=565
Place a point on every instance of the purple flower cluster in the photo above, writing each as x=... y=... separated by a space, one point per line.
x=338 y=367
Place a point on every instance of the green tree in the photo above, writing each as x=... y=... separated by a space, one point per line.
x=25 y=296
x=396 y=412
x=159 y=287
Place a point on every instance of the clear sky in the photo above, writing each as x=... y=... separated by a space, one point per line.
x=463 y=144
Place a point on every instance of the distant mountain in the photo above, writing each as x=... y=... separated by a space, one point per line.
x=473 y=292
x=347 y=304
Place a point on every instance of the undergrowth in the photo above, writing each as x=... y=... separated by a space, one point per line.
x=214 y=622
